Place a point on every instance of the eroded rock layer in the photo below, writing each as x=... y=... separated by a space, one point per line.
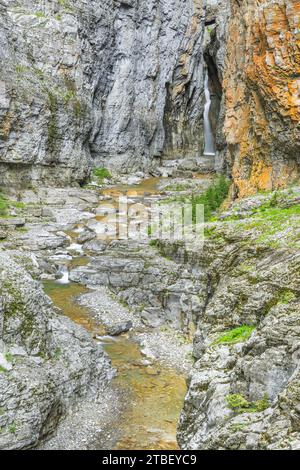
x=47 y=363
x=262 y=101
x=98 y=83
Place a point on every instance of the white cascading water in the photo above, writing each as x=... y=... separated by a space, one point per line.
x=65 y=276
x=208 y=133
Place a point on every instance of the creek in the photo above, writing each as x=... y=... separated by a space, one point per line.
x=155 y=392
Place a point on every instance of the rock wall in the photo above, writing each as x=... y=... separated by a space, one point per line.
x=47 y=363
x=120 y=84
x=243 y=391
x=261 y=86
x=97 y=83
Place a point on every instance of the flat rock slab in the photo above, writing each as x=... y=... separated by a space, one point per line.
x=17 y=222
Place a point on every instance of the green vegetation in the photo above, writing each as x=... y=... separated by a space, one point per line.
x=6 y=204
x=101 y=174
x=39 y=14
x=3 y=205
x=12 y=428
x=235 y=427
x=286 y=297
x=153 y=242
x=66 y=5
x=2 y=369
x=8 y=356
x=177 y=187
x=57 y=353
x=213 y=197
x=239 y=404
x=21 y=69
x=237 y=335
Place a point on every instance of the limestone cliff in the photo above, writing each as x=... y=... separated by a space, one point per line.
x=262 y=101
x=97 y=83
x=121 y=84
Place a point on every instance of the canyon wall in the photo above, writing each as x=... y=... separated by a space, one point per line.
x=97 y=83
x=262 y=94
x=120 y=84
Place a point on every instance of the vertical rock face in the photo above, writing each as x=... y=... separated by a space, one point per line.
x=85 y=83
x=150 y=104
x=262 y=101
x=45 y=101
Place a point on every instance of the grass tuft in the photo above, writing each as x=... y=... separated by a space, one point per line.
x=237 y=335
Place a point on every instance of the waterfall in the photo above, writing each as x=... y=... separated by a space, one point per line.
x=208 y=133
x=65 y=276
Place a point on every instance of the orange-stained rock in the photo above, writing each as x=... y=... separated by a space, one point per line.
x=262 y=94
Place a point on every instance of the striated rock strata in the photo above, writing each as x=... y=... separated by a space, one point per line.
x=97 y=83
x=262 y=101
x=244 y=387
x=47 y=363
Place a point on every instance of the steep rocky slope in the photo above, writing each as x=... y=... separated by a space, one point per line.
x=244 y=387
x=47 y=363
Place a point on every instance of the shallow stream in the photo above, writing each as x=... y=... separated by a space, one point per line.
x=155 y=392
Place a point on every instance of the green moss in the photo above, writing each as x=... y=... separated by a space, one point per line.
x=286 y=297
x=153 y=242
x=20 y=69
x=40 y=14
x=237 y=335
x=12 y=428
x=239 y=404
x=3 y=205
x=2 y=369
x=101 y=174
x=8 y=356
x=235 y=427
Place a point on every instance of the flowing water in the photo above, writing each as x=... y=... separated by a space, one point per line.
x=155 y=392
x=208 y=133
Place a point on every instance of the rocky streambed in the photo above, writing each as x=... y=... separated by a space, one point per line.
x=62 y=241
x=149 y=314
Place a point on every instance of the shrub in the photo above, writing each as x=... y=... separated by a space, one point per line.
x=239 y=404
x=212 y=198
x=101 y=174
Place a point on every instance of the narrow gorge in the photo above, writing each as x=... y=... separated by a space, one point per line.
x=149 y=225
